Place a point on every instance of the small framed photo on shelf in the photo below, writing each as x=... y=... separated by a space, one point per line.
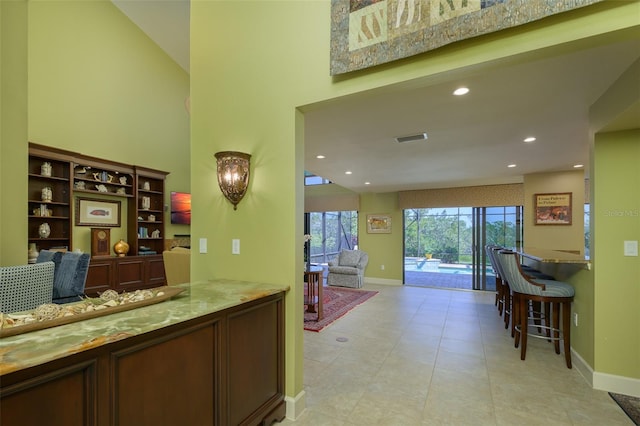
x=553 y=209
x=378 y=224
x=93 y=212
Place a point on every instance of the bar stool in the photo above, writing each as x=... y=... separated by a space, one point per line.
x=506 y=290
x=556 y=296
x=500 y=297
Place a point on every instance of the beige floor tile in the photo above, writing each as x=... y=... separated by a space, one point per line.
x=386 y=408
x=425 y=356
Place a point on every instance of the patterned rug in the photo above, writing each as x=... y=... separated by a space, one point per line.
x=629 y=404
x=337 y=301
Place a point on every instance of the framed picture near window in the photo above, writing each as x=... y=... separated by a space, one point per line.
x=93 y=212
x=378 y=224
x=553 y=209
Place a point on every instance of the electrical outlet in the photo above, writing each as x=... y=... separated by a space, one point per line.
x=235 y=246
x=631 y=248
x=575 y=319
x=382 y=267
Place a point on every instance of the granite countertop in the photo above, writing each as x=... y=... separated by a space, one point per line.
x=197 y=299
x=553 y=256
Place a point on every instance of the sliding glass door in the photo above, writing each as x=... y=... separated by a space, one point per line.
x=500 y=226
x=444 y=247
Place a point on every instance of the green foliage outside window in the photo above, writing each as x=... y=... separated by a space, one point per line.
x=446 y=233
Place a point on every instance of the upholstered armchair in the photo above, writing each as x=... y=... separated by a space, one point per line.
x=25 y=287
x=70 y=276
x=347 y=269
x=176 y=265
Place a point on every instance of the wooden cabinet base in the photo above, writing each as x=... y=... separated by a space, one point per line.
x=126 y=273
x=199 y=372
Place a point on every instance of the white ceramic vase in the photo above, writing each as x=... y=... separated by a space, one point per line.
x=32 y=254
x=44 y=230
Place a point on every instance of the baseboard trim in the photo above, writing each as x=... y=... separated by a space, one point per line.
x=616 y=384
x=382 y=281
x=583 y=368
x=295 y=406
x=606 y=382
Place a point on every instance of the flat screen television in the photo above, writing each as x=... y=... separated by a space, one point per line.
x=181 y=208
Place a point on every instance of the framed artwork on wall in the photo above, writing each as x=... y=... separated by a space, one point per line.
x=93 y=212
x=180 y=208
x=553 y=208
x=378 y=224
x=366 y=33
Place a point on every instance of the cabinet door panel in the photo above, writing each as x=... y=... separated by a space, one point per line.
x=255 y=362
x=100 y=276
x=155 y=272
x=130 y=274
x=59 y=398
x=168 y=381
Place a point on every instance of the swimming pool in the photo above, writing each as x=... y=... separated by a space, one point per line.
x=445 y=269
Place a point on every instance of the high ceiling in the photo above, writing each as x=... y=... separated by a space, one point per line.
x=471 y=139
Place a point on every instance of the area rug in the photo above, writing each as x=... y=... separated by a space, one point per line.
x=629 y=404
x=336 y=302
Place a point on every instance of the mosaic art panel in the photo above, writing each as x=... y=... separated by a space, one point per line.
x=365 y=33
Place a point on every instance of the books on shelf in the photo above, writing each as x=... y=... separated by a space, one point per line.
x=144 y=250
x=143 y=232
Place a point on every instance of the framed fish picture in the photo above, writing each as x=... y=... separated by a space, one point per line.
x=94 y=212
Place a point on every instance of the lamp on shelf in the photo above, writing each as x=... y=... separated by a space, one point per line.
x=233 y=175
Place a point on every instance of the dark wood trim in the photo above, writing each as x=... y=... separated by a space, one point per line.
x=193 y=371
x=126 y=273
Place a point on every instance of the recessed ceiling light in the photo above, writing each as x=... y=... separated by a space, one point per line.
x=348 y=172
x=511 y=166
x=320 y=157
x=577 y=166
x=529 y=139
x=367 y=183
x=461 y=91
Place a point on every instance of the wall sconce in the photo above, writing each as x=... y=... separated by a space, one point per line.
x=233 y=175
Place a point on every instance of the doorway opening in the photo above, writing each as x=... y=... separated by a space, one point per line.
x=444 y=247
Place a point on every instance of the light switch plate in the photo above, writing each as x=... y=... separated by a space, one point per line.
x=631 y=248
x=203 y=245
x=235 y=246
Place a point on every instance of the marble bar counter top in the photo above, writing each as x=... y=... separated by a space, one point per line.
x=553 y=256
x=198 y=299
x=561 y=265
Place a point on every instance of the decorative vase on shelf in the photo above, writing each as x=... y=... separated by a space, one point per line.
x=44 y=230
x=121 y=248
x=47 y=194
x=45 y=169
x=32 y=254
x=146 y=203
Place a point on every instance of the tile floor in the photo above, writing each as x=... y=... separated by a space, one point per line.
x=425 y=356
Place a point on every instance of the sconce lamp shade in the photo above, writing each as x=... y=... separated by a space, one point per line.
x=233 y=175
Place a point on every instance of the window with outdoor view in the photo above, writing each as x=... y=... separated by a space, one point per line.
x=331 y=232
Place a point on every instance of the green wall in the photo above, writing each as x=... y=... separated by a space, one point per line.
x=99 y=86
x=616 y=216
x=565 y=237
x=254 y=66
x=13 y=131
x=384 y=250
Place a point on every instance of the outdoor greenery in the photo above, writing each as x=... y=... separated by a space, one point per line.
x=446 y=233
x=332 y=232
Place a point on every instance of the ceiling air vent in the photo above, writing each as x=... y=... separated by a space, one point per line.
x=412 y=138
